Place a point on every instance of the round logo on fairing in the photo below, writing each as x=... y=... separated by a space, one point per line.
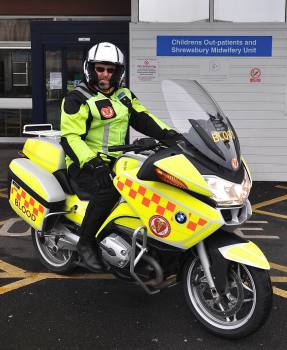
x=159 y=226
x=180 y=217
x=234 y=163
x=107 y=112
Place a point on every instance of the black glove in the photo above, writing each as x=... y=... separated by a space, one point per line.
x=171 y=137
x=145 y=142
x=102 y=173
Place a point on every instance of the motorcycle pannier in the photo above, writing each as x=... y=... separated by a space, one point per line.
x=37 y=150
x=34 y=192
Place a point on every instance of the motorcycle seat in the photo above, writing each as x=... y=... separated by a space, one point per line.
x=84 y=196
x=70 y=186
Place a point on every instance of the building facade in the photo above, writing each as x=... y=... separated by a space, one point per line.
x=42 y=47
x=55 y=36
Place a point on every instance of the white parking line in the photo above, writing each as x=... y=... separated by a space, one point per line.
x=240 y=233
x=7 y=225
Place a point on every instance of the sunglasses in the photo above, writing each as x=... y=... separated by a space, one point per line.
x=102 y=69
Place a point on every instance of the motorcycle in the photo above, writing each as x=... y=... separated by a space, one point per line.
x=180 y=203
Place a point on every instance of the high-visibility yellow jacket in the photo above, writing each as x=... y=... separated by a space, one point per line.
x=92 y=121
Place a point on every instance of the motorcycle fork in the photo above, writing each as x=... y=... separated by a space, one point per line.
x=215 y=287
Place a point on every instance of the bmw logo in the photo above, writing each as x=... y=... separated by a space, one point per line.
x=180 y=217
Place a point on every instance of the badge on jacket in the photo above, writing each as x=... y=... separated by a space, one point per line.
x=106 y=109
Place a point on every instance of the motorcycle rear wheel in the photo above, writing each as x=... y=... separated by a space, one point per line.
x=59 y=261
x=244 y=307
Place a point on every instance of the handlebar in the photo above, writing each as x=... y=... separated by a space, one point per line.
x=123 y=148
x=140 y=145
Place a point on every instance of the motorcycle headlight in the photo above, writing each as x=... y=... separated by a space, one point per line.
x=227 y=193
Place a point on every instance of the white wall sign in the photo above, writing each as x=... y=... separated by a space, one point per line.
x=55 y=80
x=146 y=69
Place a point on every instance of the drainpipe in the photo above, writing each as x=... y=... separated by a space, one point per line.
x=211 y=11
x=135 y=11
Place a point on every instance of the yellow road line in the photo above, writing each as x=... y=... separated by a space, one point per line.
x=26 y=278
x=280 y=216
x=18 y=284
x=282 y=187
x=269 y=202
x=278 y=267
x=282 y=293
x=48 y=275
x=256 y=207
x=11 y=269
x=279 y=279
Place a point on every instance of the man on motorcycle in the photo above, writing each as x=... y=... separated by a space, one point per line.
x=95 y=115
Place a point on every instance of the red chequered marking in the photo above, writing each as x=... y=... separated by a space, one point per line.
x=132 y=193
x=202 y=222
x=142 y=190
x=192 y=226
x=170 y=206
x=160 y=210
x=120 y=185
x=128 y=182
x=155 y=198
x=30 y=202
x=146 y=202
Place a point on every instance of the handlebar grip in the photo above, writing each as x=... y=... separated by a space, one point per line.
x=121 y=148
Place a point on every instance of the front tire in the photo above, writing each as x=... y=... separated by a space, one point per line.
x=59 y=261
x=244 y=307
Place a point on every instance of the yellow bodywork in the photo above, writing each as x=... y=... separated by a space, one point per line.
x=245 y=253
x=33 y=191
x=180 y=167
x=28 y=178
x=78 y=208
x=27 y=207
x=157 y=205
x=125 y=163
x=45 y=153
x=123 y=215
x=170 y=214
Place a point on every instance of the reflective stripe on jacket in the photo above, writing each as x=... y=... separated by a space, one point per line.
x=91 y=122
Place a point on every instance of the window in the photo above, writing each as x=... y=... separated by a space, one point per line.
x=20 y=73
x=15 y=73
x=173 y=11
x=249 y=11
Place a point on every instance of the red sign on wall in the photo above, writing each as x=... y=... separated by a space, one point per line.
x=255 y=75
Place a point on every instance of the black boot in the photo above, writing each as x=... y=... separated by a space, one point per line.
x=91 y=254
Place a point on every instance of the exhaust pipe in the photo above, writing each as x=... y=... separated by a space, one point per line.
x=69 y=241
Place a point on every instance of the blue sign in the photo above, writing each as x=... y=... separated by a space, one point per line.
x=235 y=46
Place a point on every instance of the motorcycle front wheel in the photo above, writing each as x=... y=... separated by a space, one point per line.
x=243 y=307
x=56 y=260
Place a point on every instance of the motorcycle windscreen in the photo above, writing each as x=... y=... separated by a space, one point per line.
x=194 y=113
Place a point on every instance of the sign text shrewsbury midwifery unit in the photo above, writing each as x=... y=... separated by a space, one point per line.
x=236 y=46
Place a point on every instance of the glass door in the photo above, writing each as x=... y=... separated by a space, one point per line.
x=64 y=68
x=54 y=85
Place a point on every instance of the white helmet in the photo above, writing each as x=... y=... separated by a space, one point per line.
x=104 y=53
